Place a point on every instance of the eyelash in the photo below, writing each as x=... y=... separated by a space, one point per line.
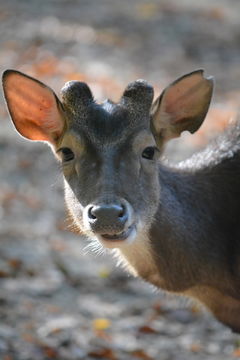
x=67 y=154
x=149 y=152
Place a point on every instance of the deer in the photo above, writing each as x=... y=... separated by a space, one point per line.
x=175 y=226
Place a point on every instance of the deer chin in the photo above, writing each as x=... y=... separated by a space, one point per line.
x=118 y=240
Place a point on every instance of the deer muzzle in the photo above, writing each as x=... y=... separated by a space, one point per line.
x=111 y=223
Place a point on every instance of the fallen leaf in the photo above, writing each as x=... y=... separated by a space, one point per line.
x=104 y=353
x=4 y=274
x=15 y=264
x=195 y=348
x=157 y=306
x=50 y=352
x=101 y=324
x=236 y=353
x=104 y=272
x=141 y=354
x=147 y=329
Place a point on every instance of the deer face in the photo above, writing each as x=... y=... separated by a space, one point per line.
x=109 y=152
x=109 y=158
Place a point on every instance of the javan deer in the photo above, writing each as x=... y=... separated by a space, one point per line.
x=177 y=227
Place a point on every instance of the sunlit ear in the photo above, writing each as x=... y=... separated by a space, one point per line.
x=34 y=108
x=182 y=106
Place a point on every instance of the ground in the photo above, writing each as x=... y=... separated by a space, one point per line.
x=57 y=300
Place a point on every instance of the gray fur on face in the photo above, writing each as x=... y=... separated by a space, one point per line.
x=108 y=122
x=138 y=97
x=177 y=227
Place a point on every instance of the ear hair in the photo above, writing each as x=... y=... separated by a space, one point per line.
x=182 y=106
x=34 y=108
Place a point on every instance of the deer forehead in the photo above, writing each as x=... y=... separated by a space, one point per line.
x=108 y=120
x=107 y=123
x=134 y=141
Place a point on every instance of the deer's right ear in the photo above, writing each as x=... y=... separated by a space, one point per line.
x=34 y=108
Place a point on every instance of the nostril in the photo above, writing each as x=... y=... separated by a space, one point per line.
x=122 y=212
x=91 y=213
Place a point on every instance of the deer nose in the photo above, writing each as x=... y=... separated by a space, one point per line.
x=111 y=217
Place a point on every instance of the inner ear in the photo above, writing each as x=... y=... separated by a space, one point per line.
x=34 y=108
x=182 y=106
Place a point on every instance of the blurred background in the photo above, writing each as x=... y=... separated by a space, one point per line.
x=57 y=300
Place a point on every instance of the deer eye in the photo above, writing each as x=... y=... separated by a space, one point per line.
x=67 y=154
x=149 y=152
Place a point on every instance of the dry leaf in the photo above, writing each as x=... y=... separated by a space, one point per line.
x=147 y=329
x=195 y=348
x=104 y=353
x=236 y=353
x=104 y=272
x=141 y=354
x=50 y=352
x=101 y=324
x=15 y=264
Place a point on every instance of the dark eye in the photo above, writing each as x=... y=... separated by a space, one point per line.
x=148 y=152
x=67 y=154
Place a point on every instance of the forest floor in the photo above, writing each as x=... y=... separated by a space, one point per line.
x=57 y=300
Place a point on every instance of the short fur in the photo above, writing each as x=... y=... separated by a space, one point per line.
x=177 y=227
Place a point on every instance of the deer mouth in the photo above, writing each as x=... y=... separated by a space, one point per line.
x=127 y=236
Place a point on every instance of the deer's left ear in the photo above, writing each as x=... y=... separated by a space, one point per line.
x=182 y=106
